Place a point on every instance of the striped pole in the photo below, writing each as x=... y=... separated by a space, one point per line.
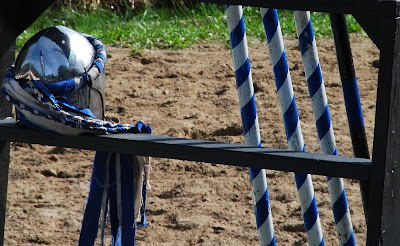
x=251 y=129
x=351 y=96
x=324 y=127
x=292 y=124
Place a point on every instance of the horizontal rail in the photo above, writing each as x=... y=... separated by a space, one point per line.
x=199 y=150
x=366 y=7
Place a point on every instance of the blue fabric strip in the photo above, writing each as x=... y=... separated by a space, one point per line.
x=63 y=88
x=112 y=194
x=29 y=124
x=93 y=208
x=352 y=102
x=249 y=113
x=101 y=55
x=237 y=34
x=46 y=91
x=99 y=65
x=143 y=221
x=127 y=199
x=323 y=123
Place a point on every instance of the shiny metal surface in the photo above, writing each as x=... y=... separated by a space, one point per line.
x=54 y=54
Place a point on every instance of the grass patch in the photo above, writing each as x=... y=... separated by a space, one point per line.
x=169 y=28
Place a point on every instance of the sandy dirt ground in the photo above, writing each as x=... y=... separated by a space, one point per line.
x=191 y=93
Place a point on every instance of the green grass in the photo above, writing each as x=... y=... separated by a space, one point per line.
x=169 y=28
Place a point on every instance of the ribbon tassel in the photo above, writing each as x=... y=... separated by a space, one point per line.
x=118 y=181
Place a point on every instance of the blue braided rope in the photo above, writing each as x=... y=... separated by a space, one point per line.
x=291 y=120
x=323 y=123
x=251 y=130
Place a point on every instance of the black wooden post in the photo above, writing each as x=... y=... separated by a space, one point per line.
x=349 y=84
x=5 y=110
x=384 y=202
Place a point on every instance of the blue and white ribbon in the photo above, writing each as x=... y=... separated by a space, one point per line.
x=323 y=123
x=38 y=108
x=251 y=129
x=292 y=124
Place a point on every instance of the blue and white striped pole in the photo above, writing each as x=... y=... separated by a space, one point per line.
x=251 y=129
x=292 y=124
x=324 y=127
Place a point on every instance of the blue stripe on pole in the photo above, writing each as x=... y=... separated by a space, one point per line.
x=314 y=81
x=271 y=18
x=290 y=118
x=261 y=210
x=242 y=73
x=253 y=173
x=249 y=114
x=323 y=123
x=307 y=37
x=352 y=102
x=335 y=151
x=300 y=179
x=237 y=34
x=281 y=71
x=311 y=215
x=351 y=241
x=272 y=242
x=340 y=206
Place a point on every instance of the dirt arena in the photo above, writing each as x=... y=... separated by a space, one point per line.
x=191 y=93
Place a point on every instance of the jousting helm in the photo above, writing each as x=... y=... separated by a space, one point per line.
x=68 y=63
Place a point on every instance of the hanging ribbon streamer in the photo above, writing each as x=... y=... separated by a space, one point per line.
x=120 y=182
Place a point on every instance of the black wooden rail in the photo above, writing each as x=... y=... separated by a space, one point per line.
x=200 y=150
x=379 y=18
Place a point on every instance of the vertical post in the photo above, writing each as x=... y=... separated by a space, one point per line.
x=351 y=96
x=5 y=110
x=251 y=131
x=384 y=202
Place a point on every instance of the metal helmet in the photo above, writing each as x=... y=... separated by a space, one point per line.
x=58 y=54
